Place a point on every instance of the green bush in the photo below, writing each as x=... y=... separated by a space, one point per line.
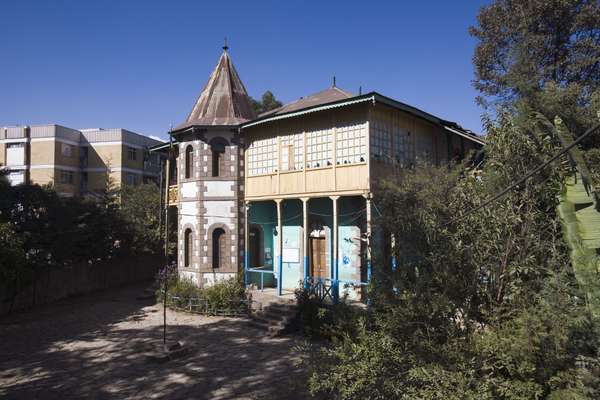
x=325 y=321
x=223 y=297
x=592 y=158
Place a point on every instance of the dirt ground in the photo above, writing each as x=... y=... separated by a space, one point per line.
x=96 y=347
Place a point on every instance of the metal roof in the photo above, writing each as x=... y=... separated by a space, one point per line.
x=314 y=106
x=323 y=97
x=223 y=101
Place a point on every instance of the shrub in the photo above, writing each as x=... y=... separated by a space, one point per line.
x=325 y=321
x=223 y=297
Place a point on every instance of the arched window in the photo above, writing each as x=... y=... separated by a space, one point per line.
x=218 y=247
x=187 y=248
x=217 y=147
x=189 y=162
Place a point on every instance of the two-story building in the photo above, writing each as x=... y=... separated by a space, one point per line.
x=288 y=196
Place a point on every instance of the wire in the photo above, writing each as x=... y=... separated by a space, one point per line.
x=529 y=175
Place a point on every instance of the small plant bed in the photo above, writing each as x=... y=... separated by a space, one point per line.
x=225 y=298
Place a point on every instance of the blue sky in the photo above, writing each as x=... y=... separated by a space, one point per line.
x=141 y=64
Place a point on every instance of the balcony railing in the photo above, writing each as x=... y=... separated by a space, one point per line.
x=173 y=194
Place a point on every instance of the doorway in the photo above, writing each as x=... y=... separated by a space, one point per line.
x=318 y=259
x=254 y=245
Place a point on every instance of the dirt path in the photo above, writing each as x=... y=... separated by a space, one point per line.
x=93 y=347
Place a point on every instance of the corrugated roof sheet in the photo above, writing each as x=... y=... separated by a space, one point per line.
x=223 y=101
x=326 y=96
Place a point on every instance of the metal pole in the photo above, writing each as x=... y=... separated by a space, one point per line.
x=160 y=201
x=369 y=229
x=246 y=243
x=336 y=293
x=280 y=249
x=166 y=275
x=306 y=239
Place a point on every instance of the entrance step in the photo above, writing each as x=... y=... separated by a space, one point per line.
x=275 y=317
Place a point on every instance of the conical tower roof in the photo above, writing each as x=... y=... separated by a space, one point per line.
x=223 y=101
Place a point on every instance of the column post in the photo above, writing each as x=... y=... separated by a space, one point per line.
x=279 y=248
x=305 y=239
x=246 y=243
x=369 y=234
x=336 y=289
x=393 y=246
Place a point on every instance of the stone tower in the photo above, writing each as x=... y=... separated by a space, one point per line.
x=210 y=178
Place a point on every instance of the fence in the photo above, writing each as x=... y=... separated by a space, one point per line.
x=196 y=305
x=52 y=284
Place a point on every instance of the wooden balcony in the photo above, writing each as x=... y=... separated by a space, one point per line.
x=173 y=195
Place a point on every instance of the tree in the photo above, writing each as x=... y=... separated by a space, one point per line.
x=541 y=55
x=267 y=103
x=482 y=305
x=140 y=208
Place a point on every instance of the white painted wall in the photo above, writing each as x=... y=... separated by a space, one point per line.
x=218 y=189
x=220 y=212
x=211 y=278
x=189 y=212
x=189 y=189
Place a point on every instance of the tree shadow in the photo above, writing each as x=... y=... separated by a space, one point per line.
x=98 y=348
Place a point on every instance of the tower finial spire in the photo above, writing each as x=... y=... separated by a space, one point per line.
x=333 y=82
x=225 y=47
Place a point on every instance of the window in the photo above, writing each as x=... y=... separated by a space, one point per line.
x=188 y=247
x=67 y=150
x=131 y=153
x=217 y=148
x=189 y=162
x=319 y=148
x=131 y=179
x=402 y=146
x=84 y=181
x=15 y=153
x=262 y=157
x=351 y=144
x=66 y=177
x=16 y=177
x=292 y=152
x=381 y=142
x=218 y=247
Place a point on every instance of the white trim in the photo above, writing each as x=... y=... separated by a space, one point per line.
x=54 y=166
x=15 y=167
x=465 y=135
x=56 y=139
x=17 y=140
x=311 y=110
x=113 y=143
x=119 y=169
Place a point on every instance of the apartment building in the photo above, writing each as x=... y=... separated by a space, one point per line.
x=76 y=161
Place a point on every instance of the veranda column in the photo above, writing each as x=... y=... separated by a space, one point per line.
x=246 y=243
x=393 y=246
x=306 y=238
x=336 y=291
x=368 y=206
x=279 y=248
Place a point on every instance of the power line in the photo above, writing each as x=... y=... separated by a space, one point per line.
x=529 y=175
